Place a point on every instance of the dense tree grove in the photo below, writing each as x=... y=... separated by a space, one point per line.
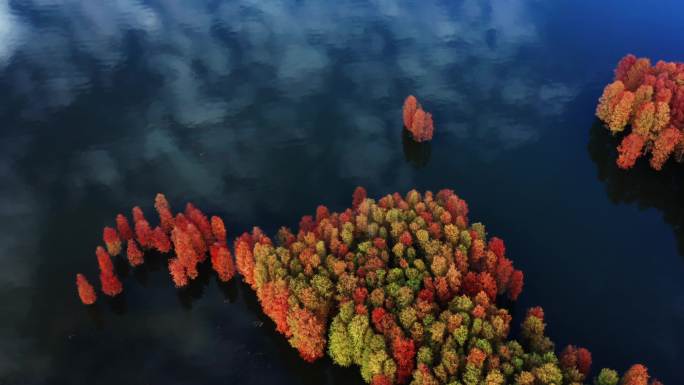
x=651 y=100
x=407 y=288
x=417 y=122
x=404 y=287
x=190 y=235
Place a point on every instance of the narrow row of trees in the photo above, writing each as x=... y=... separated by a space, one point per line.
x=187 y=237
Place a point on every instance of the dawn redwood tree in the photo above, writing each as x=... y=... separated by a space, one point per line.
x=86 y=292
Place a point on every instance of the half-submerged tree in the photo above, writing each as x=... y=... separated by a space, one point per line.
x=189 y=236
x=650 y=100
x=416 y=121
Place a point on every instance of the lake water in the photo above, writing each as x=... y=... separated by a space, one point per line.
x=260 y=111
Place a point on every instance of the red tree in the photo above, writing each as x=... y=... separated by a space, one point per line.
x=381 y=379
x=137 y=214
x=197 y=217
x=123 y=227
x=187 y=256
x=664 y=146
x=515 y=285
x=177 y=271
x=244 y=258
x=111 y=285
x=578 y=358
x=135 y=256
x=160 y=240
x=403 y=351
x=218 y=229
x=630 y=150
x=143 y=234
x=111 y=240
x=165 y=214
x=410 y=107
x=636 y=375
x=222 y=262
x=85 y=290
x=273 y=296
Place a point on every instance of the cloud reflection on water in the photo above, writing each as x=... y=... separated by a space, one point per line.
x=204 y=100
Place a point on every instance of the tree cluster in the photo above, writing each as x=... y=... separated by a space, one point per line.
x=417 y=121
x=189 y=235
x=650 y=100
x=406 y=288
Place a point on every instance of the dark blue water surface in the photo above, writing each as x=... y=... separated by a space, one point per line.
x=260 y=111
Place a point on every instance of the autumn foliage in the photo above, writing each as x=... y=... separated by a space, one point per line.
x=405 y=287
x=650 y=100
x=85 y=290
x=417 y=121
x=186 y=237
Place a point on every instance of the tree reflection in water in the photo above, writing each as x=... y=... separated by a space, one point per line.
x=663 y=190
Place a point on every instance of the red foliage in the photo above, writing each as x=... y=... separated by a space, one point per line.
x=360 y=294
x=111 y=240
x=422 y=127
x=578 y=358
x=381 y=379
x=177 y=271
x=515 y=285
x=222 y=262
x=244 y=259
x=160 y=240
x=358 y=197
x=143 y=234
x=630 y=150
x=504 y=271
x=218 y=229
x=137 y=214
x=322 y=212
x=165 y=214
x=403 y=352
x=135 y=256
x=273 y=297
x=406 y=238
x=488 y=285
x=650 y=99
x=123 y=227
x=664 y=146
x=85 y=290
x=197 y=217
x=636 y=375
x=623 y=67
x=187 y=256
x=417 y=122
x=111 y=285
x=410 y=108
x=377 y=316
x=476 y=357
x=536 y=311
x=497 y=246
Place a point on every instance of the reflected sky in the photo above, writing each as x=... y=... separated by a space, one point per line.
x=259 y=111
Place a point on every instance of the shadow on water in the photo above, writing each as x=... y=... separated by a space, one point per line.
x=415 y=153
x=642 y=185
